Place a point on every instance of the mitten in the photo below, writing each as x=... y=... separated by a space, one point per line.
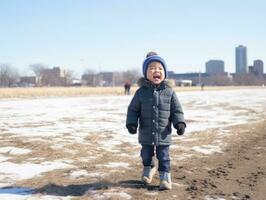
x=180 y=128
x=132 y=128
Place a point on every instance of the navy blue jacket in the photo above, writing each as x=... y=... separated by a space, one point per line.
x=153 y=110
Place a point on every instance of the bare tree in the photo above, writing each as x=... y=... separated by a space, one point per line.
x=218 y=80
x=89 y=71
x=37 y=68
x=8 y=75
x=132 y=76
x=247 y=79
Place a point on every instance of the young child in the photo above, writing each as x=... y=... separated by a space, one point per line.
x=153 y=110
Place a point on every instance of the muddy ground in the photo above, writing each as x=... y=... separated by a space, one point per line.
x=238 y=171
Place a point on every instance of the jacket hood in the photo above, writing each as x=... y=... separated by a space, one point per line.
x=144 y=82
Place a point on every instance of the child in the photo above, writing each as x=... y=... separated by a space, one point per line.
x=152 y=110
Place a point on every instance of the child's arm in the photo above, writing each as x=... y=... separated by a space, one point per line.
x=177 y=115
x=133 y=113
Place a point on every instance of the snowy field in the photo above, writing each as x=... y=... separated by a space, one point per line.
x=42 y=136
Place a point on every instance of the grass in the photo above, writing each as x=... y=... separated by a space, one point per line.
x=86 y=91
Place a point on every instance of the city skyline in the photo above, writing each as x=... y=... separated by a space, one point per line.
x=241 y=60
x=115 y=36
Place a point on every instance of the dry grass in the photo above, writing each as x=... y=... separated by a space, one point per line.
x=86 y=91
x=58 y=91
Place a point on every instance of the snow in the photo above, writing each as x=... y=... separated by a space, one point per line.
x=28 y=170
x=79 y=173
x=207 y=149
x=14 y=150
x=211 y=198
x=15 y=193
x=115 y=165
x=4 y=158
x=55 y=116
x=97 y=124
x=113 y=193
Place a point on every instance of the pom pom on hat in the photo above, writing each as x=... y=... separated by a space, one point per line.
x=152 y=57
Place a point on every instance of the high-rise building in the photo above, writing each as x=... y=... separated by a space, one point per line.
x=215 y=67
x=258 y=67
x=241 y=59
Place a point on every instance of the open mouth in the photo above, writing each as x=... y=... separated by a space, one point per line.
x=157 y=77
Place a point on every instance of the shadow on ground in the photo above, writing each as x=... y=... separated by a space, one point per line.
x=79 y=189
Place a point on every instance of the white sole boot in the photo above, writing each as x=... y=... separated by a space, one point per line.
x=148 y=174
x=165 y=181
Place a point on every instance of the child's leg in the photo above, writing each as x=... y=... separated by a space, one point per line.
x=147 y=153
x=162 y=153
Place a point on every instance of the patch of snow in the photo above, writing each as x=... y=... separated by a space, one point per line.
x=115 y=194
x=15 y=193
x=115 y=165
x=14 y=150
x=26 y=194
x=3 y=158
x=79 y=173
x=207 y=149
x=213 y=198
x=84 y=173
x=27 y=171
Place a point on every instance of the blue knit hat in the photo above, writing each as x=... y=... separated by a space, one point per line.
x=151 y=57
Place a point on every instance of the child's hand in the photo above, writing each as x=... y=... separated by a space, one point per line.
x=180 y=128
x=132 y=128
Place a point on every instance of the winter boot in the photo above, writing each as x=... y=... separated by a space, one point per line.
x=148 y=174
x=165 y=181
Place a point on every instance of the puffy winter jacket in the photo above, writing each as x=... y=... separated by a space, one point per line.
x=154 y=109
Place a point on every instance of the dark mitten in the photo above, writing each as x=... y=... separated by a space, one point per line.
x=132 y=128
x=180 y=128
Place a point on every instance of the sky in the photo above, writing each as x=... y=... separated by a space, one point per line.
x=115 y=35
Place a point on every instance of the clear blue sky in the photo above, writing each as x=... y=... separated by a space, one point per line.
x=115 y=35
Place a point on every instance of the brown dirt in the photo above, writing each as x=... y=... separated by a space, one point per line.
x=237 y=173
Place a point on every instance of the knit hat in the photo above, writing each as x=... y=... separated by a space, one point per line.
x=151 y=57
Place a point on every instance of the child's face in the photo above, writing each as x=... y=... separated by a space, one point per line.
x=155 y=73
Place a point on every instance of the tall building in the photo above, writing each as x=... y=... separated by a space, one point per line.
x=241 y=59
x=53 y=77
x=215 y=67
x=258 y=67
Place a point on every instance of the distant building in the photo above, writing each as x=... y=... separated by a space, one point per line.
x=241 y=59
x=187 y=79
x=107 y=78
x=258 y=68
x=215 y=67
x=183 y=83
x=90 y=80
x=251 y=69
x=28 y=81
x=53 y=77
x=196 y=78
x=100 y=79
